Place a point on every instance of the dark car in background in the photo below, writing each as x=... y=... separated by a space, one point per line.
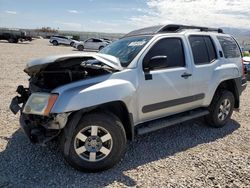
x=14 y=35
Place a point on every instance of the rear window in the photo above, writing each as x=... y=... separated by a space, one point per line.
x=229 y=46
x=203 y=49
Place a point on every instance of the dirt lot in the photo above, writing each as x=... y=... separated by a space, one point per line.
x=186 y=155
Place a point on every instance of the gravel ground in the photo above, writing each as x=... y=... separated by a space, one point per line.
x=186 y=155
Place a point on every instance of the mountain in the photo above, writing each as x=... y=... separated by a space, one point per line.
x=241 y=35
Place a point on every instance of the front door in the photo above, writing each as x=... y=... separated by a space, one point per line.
x=165 y=88
x=88 y=44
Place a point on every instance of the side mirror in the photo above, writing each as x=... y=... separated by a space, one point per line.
x=156 y=62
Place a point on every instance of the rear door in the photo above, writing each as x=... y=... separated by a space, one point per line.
x=205 y=61
x=96 y=44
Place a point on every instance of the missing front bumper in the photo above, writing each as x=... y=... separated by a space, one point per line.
x=37 y=134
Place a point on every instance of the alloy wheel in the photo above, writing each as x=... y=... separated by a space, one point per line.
x=93 y=143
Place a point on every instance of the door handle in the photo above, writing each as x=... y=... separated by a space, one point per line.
x=186 y=75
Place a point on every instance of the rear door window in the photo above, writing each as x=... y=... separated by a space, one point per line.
x=229 y=46
x=203 y=49
x=96 y=40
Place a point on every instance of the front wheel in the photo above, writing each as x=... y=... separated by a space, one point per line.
x=80 y=47
x=11 y=40
x=55 y=43
x=98 y=142
x=221 y=108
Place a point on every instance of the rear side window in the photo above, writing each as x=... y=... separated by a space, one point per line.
x=203 y=49
x=96 y=40
x=229 y=47
x=170 y=47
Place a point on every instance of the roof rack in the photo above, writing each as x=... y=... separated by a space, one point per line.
x=177 y=28
x=171 y=28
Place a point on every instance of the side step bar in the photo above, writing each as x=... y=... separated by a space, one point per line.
x=168 y=121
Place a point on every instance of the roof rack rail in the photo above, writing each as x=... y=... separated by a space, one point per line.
x=171 y=28
x=177 y=28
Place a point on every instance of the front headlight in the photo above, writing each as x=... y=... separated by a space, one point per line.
x=40 y=104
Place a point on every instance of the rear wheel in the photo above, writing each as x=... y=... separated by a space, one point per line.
x=221 y=108
x=101 y=47
x=98 y=142
x=72 y=44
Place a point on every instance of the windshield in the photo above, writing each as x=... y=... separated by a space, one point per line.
x=126 y=49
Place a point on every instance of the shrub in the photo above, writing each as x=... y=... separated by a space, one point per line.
x=76 y=37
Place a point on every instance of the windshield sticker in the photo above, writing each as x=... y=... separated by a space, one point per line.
x=137 y=43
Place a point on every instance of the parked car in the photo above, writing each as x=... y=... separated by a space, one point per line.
x=57 y=40
x=14 y=35
x=96 y=102
x=246 y=61
x=91 y=44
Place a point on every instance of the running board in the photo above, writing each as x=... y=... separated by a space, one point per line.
x=168 y=121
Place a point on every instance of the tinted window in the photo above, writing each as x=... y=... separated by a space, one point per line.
x=203 y=49
x=170 y=47
x=210 y=48
x=96 y=40
x=229 y=47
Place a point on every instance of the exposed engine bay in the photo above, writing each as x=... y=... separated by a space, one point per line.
x=64 y=72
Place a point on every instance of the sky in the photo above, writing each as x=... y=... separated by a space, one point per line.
x=122 y=16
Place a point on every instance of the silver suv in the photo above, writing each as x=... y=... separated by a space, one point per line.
x=57 y=40
x=96 y=102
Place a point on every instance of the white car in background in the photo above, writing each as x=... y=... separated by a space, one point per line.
x=246 y=61
x=92 y=44
x=57 y=40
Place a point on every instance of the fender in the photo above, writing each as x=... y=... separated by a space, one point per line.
x=92 y=92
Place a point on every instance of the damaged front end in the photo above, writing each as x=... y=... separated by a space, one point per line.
x=36 y=101
x=40 y=128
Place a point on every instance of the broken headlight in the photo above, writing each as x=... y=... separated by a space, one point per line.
x=40 y=104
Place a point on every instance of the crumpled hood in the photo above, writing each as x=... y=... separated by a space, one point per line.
x=37 y=64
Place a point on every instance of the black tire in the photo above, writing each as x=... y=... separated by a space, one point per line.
x=117 y=142
x=101 y=47
x=217 y=117
x=11 y=40
x=54 y=42
x=72 y=44
x=80 y=47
